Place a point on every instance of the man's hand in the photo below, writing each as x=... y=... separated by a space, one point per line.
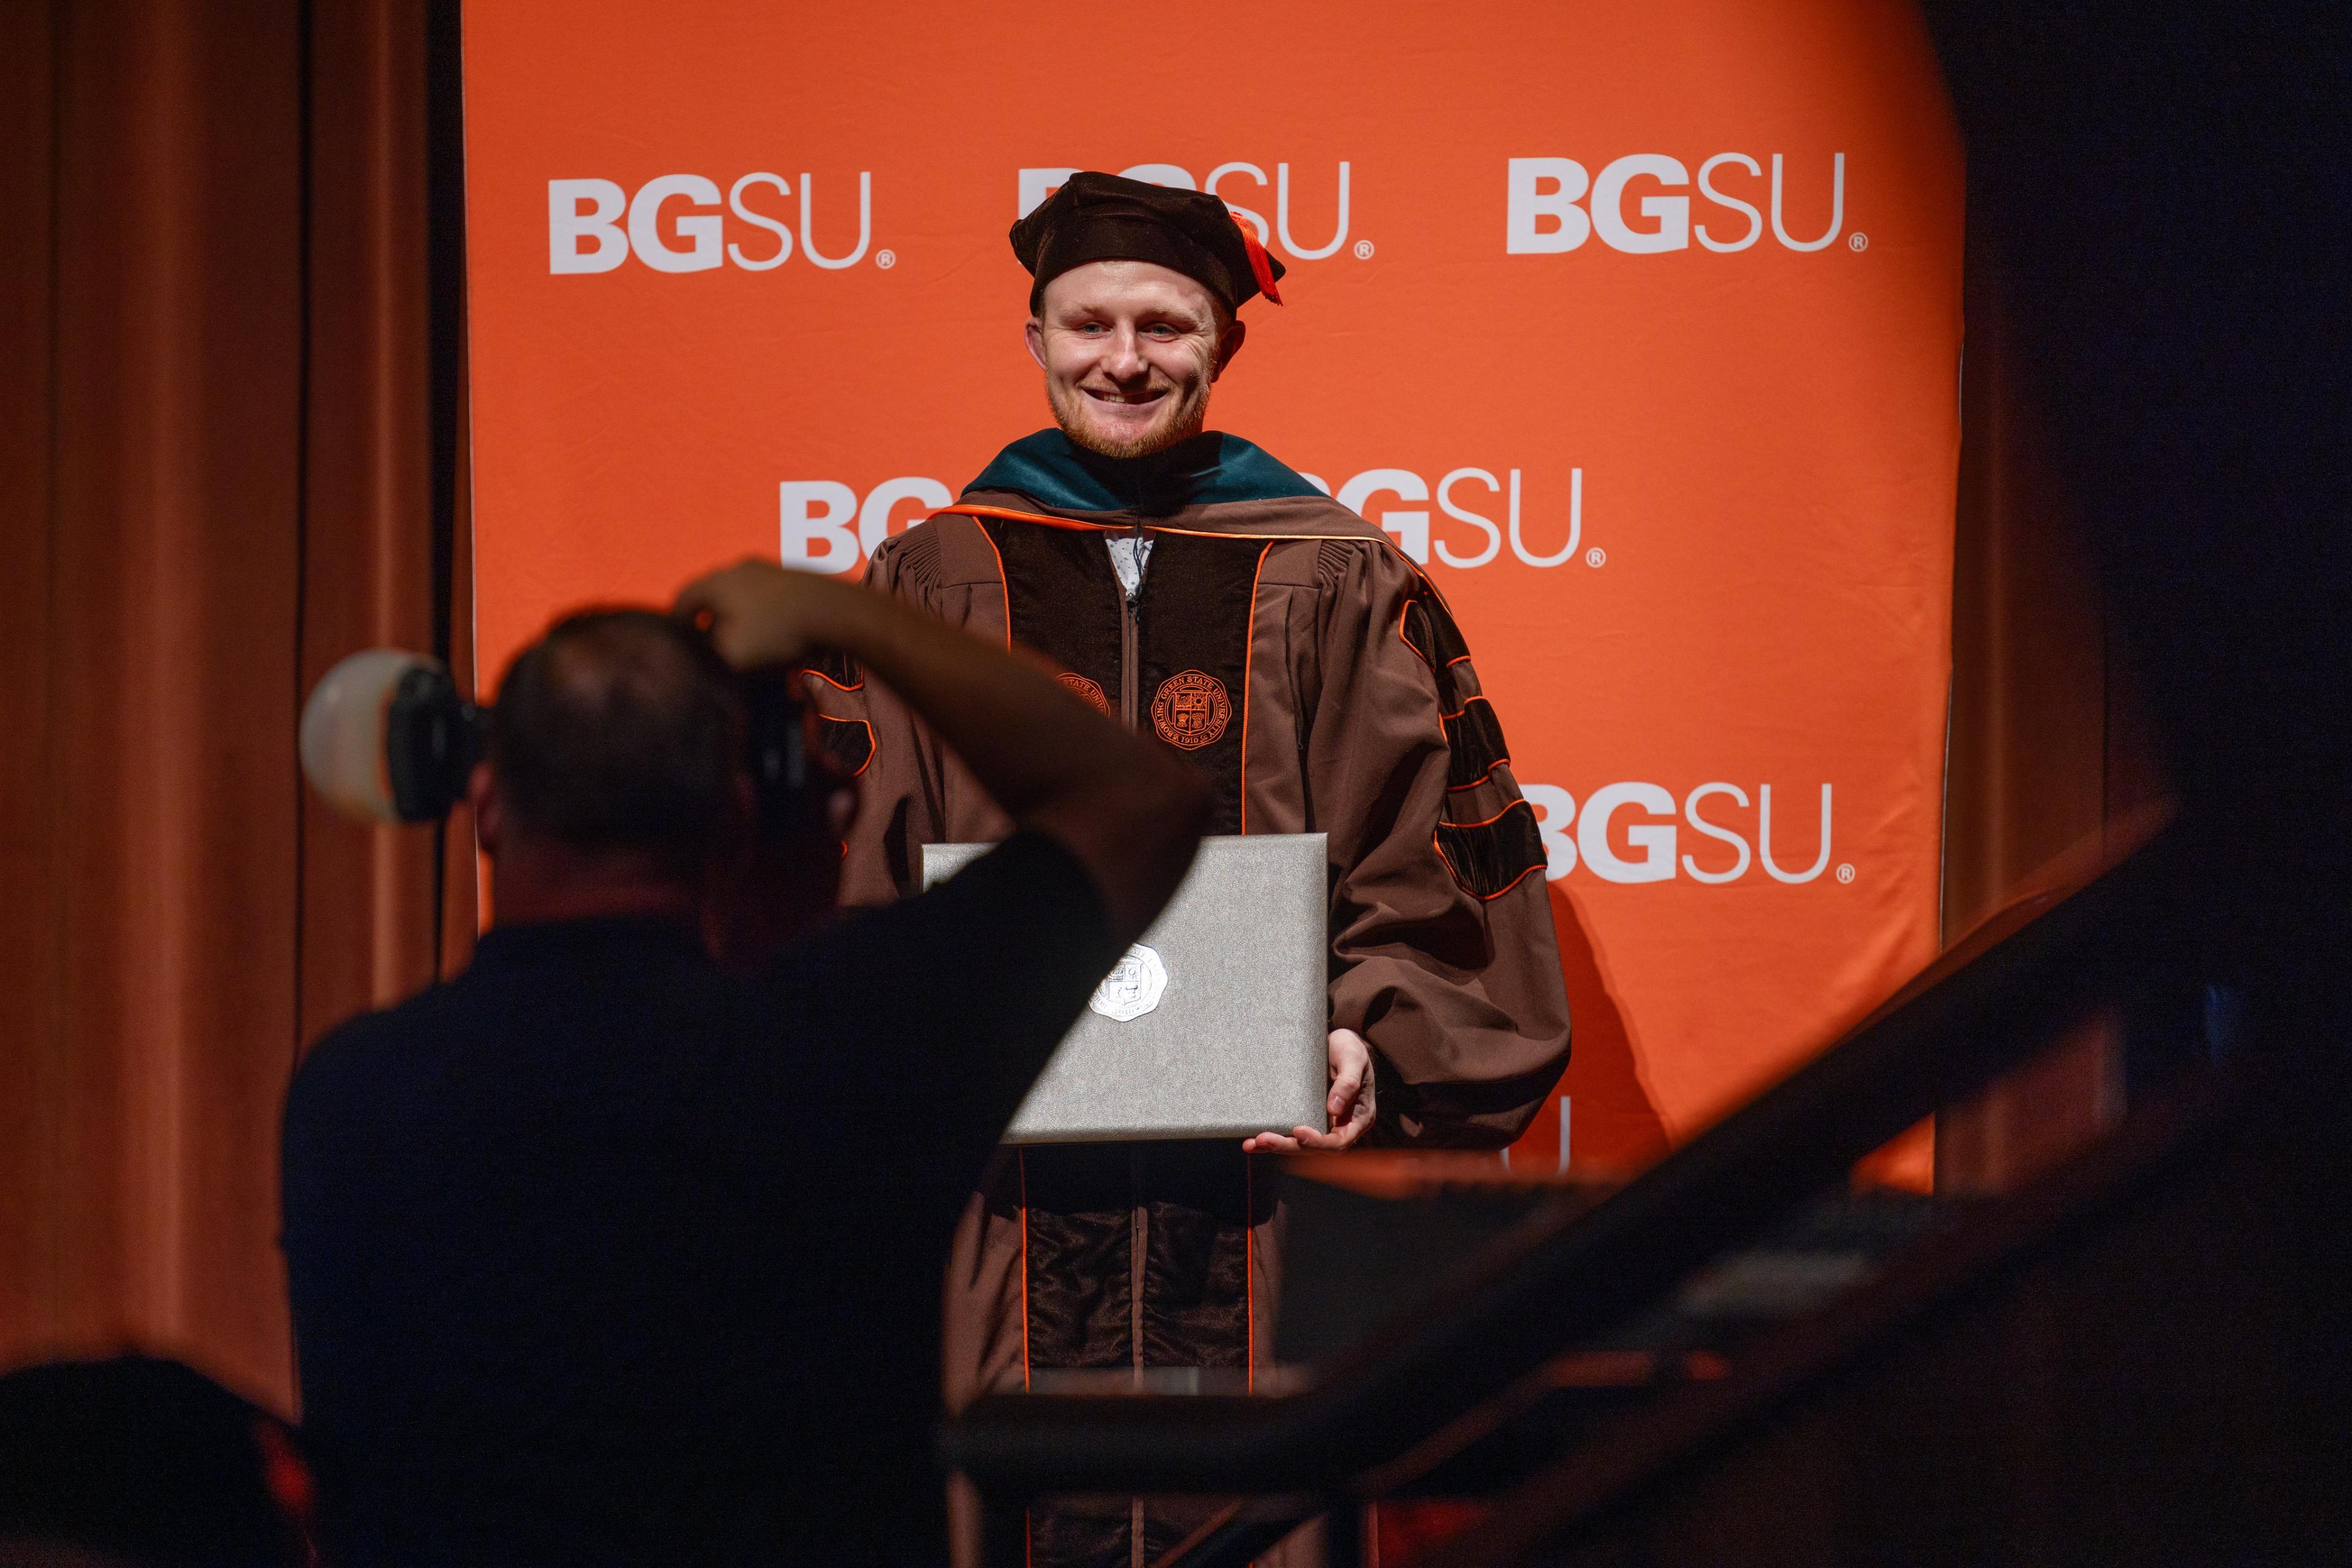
x=762 y=614
x=1126 y=808
x=1350 y=1104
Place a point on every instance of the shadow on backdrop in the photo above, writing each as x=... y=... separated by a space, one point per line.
x=1612 y=1129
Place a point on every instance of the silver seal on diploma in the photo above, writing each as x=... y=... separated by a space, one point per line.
x=1133 y=987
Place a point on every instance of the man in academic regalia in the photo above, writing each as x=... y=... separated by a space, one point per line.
x=1193 y=585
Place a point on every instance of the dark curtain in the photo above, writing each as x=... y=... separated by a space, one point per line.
x=217 y=466
x=2047 y=751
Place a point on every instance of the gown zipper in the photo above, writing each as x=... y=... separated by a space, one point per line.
x=1130 y=637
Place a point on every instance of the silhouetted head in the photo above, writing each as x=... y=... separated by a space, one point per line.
x=140 y=1461
x=617 y=745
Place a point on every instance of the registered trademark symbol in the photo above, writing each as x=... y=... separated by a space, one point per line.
x=1845 y=871
x=1858 y=241
x=886 y=259
x=1363 y=250
x=1596 y=556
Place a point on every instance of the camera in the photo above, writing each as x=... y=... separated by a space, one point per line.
x=387 y=738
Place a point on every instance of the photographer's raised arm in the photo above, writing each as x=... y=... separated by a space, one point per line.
x=1130 y=813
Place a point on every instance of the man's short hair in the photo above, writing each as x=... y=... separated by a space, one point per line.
x=621 y=729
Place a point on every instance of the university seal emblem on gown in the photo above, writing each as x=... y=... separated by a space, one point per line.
x=1190 y=709
x=1087 y=689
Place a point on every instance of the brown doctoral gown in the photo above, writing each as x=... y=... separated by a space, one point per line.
x=1294 y=654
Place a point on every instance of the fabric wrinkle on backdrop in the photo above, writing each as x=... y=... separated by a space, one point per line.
x=216 y=445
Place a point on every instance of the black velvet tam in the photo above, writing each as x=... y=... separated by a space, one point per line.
x=1103 y=217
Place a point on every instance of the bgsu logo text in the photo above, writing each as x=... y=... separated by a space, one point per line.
x=1544 y=217
x=1642 y=817
x=828 y=527
x=1037 y=184
x=677 y=223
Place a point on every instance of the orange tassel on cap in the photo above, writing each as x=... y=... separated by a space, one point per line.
x=1260 y=262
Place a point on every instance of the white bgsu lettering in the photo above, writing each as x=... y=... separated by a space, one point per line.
x=1542 y=217
x=1037 y=184
x=679 y=222
x=827 y=530
x=827 y=527
x=1409 y=525
x=1645 y=816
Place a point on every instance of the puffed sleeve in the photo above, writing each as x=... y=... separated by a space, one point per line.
x=1443 y=948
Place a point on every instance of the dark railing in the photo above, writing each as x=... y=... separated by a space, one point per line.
x=1389 y=1410
x=1612 y=1472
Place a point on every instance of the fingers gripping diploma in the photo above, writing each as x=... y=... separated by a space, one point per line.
x=1351 y=1103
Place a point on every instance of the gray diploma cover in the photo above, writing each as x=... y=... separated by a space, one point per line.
x=1213 y=1025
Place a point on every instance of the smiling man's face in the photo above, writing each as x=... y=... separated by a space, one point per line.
x=1129 y=349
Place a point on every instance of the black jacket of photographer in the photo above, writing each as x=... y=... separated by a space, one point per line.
x=601 y=1253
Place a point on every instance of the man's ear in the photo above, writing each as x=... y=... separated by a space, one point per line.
x=1034 y=334
x=490 y=810
x=1228 y=344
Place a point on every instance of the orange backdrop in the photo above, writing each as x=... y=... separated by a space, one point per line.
x=1638 y=322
